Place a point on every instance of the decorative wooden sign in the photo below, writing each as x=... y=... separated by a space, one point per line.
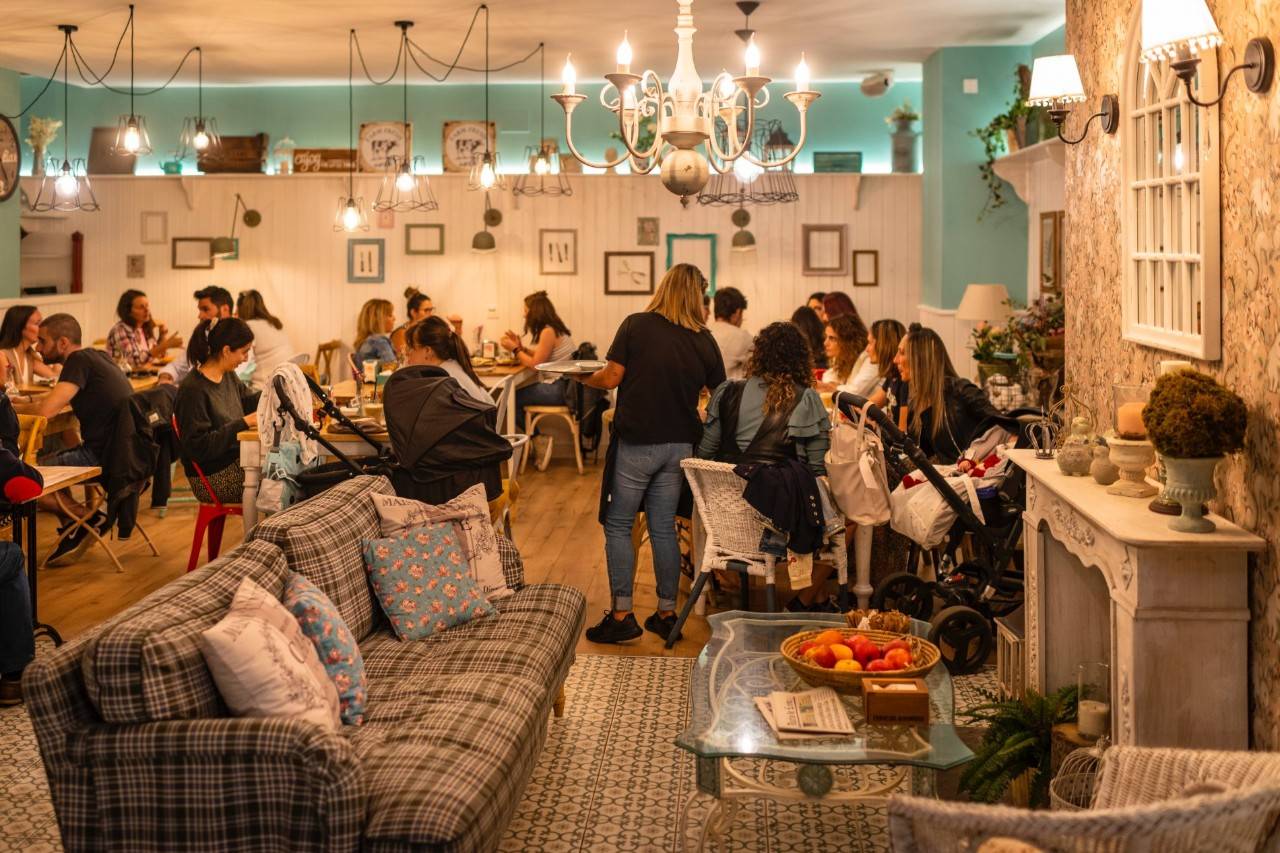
x=240 y=154
x=322 y=159
x=464 y=144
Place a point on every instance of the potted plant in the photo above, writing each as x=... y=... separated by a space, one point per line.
x=648 y=130
x=1193 y=421
x=903 y=117
x=904 y=137
x=1005 y=134
x=1040 y=329
x=1016 y=747
x=994 y=349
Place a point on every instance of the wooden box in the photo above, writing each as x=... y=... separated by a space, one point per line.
x=242 y=154
x=895 y=701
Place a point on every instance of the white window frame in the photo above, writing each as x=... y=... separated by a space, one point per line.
x=1172 y=297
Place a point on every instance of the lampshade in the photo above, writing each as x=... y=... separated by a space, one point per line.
x=1055 y=80
x=1168 y=25
x=984 y=303
x=483 y=243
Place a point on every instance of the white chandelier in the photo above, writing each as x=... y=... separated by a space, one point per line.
x=686 y=115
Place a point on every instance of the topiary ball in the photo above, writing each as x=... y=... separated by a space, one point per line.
x=1192 y=416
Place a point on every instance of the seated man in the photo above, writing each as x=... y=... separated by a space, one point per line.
x=212 y=303
x=94 y=387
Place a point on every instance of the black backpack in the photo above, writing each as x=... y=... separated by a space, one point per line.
x=587 y=404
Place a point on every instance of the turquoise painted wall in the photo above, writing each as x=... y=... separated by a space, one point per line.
x=959 y=247
x=316 y=117
x=9 y=210
x=1054 y=44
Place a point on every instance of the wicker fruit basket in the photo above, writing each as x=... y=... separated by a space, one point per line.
x=924 y=654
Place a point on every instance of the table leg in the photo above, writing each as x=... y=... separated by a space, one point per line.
x=27 y=513
x=862 y=537
x=512 y=427
x=249 y=498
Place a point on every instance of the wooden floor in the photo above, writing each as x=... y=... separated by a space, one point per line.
x=555 y=529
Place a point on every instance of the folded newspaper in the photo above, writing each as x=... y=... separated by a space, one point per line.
x=816 y=712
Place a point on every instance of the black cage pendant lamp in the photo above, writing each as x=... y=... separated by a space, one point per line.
x=200 y=132
x=544 y=177
x=351 y=214
x=65 y=186
x=405 y=188
x=486 y=176
x=132 y=138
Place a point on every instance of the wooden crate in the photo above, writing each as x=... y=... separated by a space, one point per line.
x=1011 y=656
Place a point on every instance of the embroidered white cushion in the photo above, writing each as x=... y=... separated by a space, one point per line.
x=469 y=513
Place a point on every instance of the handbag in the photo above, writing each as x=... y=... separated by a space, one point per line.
x=279 y=487
x=922 y=514
x=856 y=470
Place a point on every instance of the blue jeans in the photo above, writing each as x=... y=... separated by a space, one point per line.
x=79 y=456
x=17 y=644
x=539 y=394
x=649 y=473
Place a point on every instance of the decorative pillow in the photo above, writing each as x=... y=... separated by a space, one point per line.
x=260 y=674
x=422 y=581
x=512 y=564
x=320 y=621
x=470 y=512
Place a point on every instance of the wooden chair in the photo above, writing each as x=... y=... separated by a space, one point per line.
x=211 y=517
x=31 y=436
x=309 y=369
x=533 y=414
x=324 y=359
x=502 y=507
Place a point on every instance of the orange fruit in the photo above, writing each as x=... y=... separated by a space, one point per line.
x=828 y=637
x=805 y=646
x=841 y=651
x=898 y=658
x=848 y=666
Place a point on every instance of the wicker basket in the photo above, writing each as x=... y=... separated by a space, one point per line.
x=924 y=653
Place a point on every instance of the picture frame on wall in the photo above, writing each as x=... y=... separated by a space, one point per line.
x=696 y=249
x=366 y=260
x=866 y=268
x=381 y=142
x=825 y=249
x=464 y=143
x=837 y=161
x=1051 y=251
x=154 y=227
x=424 y=238
x=135 y=266
x=558 y=251
x=647 y=231
x=628 y=273
x=192 y=253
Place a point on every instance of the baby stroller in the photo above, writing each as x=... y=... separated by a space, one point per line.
x=967 y=594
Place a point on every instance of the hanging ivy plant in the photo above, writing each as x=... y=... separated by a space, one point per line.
x=1017 y=117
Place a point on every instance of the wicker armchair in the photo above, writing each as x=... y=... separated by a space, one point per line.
x=1146 y=799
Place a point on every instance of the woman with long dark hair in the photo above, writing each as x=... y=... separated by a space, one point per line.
x=20 y=361
x=271 y=344
x=417 y=307
x=810 y=325
x=433 y=341
x=213 y=405
x=137 y=339
x=551 y=341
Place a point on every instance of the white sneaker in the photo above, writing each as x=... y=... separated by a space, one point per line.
x=542 y=445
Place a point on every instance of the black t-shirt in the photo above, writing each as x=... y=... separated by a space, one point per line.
x=103 y=387
x=667 y=366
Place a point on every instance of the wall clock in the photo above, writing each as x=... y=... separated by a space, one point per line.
x=380 y=141
x=10 y=159
x=465 y=143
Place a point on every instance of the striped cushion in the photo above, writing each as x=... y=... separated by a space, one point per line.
x=321 y=539
x=145 y=664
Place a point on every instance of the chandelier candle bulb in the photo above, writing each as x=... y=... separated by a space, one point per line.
x=802 y=75
x=569 y=77
x=624 y=55
x=751 y=58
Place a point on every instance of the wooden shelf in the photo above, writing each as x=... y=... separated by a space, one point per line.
x=1016 y=167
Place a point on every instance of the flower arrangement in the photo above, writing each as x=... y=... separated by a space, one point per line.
x=42 y=131
x=906 y=112
x=987 y=342
x=1042 y=320
x=1190 y=415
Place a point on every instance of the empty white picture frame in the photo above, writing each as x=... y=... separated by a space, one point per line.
x=154 y=227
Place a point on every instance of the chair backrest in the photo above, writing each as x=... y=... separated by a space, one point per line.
x=309 y=370
x=502 y=393
x=31 y=436
x=731 y=524
x=1239 y=820
x=518 y=443
x=1138 y=775
x=324 y=357
x=173 y=421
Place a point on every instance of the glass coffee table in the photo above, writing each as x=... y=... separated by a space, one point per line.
x=739 y=758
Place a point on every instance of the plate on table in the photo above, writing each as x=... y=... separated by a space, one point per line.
x=571 y=367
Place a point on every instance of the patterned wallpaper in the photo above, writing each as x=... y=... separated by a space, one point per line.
x=1249 y=485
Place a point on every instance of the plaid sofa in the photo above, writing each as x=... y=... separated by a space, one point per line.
x=141 y=754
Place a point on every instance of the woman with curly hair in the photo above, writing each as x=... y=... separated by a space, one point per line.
x=774 y=413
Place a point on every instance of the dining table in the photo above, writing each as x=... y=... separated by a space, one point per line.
x=65 y=418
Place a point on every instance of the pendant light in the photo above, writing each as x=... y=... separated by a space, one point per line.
x=200 y=132
x=545 y=177
x=485 y=172
x=65 y=186
x=405 y=187
x=743 y=240
x=351 y=215
x=132 y=138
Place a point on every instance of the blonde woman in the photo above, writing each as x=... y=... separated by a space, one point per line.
x=660 y=361
x=373 y=330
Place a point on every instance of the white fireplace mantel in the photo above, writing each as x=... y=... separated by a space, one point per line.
x=1106 y=579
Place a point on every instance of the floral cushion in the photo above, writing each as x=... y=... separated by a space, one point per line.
x=423 y=582
x=336 y=645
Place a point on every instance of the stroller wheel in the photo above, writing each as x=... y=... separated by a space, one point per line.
x=963 y=635
x=906 y=593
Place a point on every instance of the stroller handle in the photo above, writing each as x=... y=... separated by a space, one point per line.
x=332 y=409
x=305 y=426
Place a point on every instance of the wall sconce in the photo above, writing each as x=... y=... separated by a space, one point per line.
x=1055 y=83
x=483 y=243
x=225 y=247
x=1178 y=30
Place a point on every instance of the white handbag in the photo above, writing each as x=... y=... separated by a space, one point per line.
x=922 y=514
x=856 y=470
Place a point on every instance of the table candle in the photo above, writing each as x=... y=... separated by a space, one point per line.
x=1093 y=718
x=1171 y=365
x=1129 y=421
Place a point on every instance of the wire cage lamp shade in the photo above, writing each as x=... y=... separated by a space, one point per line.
x=65 y=185
x=199 y=131
x=747 y=183
x=351 y=215
x=486 y=172
x=544 y=177
x=405 y=187
x=132 y=138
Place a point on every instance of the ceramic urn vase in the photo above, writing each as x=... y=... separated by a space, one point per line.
x=1190 y=483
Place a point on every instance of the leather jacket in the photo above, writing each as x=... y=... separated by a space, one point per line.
x=969 y=415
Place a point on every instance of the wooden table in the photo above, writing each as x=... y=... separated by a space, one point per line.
x=56 y=478
x=66 y=419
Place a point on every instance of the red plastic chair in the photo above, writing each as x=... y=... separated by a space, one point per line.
x=211 y=517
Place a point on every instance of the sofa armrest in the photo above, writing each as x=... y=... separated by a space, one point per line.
x=233 y=783
x=1136 y=776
